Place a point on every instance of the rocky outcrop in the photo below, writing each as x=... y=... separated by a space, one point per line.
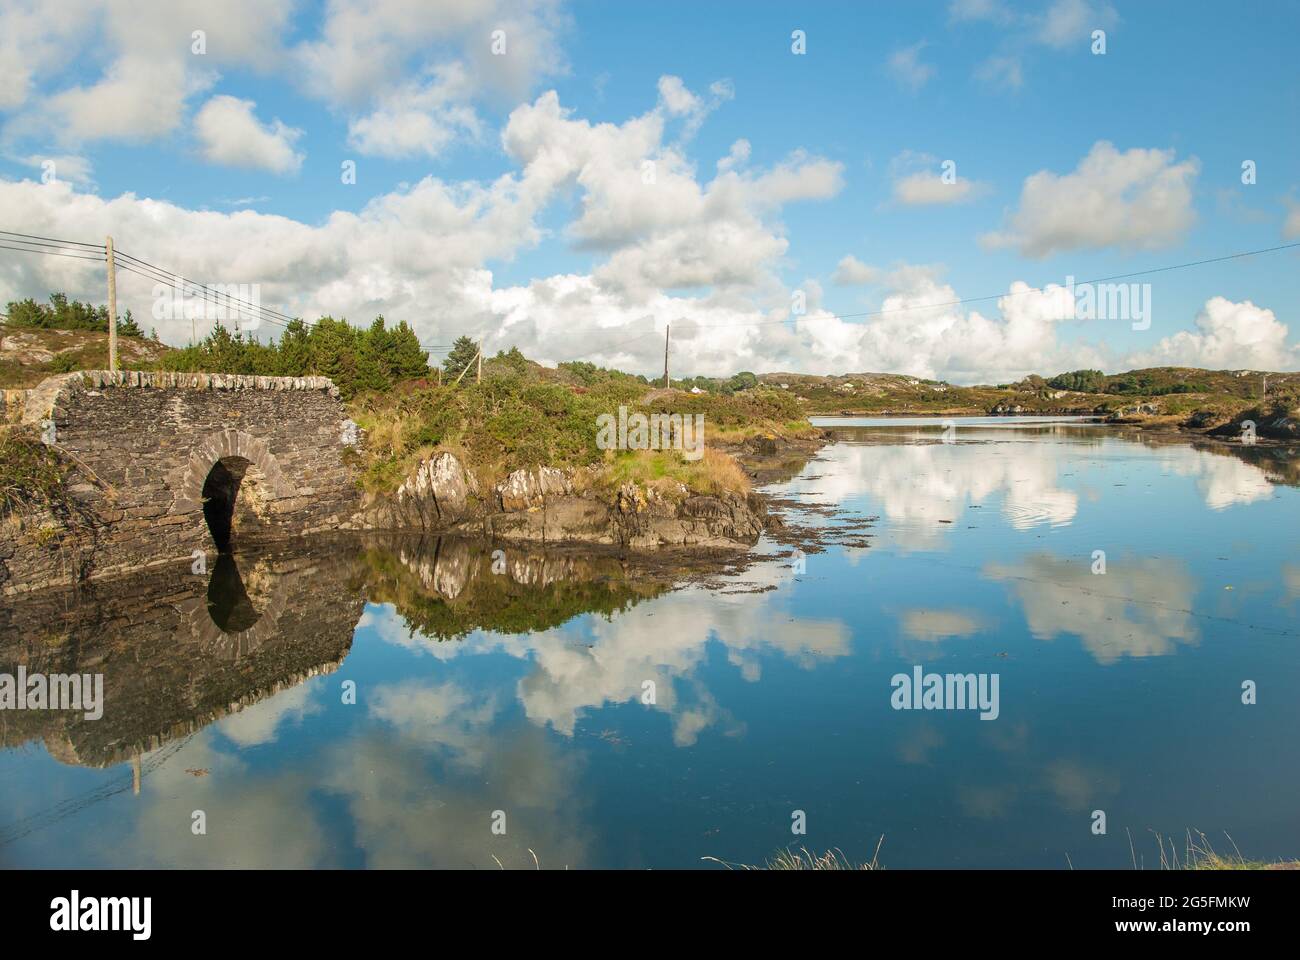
x=530 y=488
x=1275 y=424
x=548 y=505
x=1203 y=420
x=438 y=493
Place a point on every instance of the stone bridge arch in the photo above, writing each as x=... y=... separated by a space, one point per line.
x=156 y=456
x=219 y=465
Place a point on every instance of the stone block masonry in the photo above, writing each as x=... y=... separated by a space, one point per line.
x=170 y=463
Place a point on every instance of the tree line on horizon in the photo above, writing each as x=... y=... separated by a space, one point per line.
x=64 y=314
x=357 y=359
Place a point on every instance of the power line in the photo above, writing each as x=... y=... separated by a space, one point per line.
x=999 y=296
x=55 y=253
x=202 y=293
x=151 y=271
x=72 y=243
x=38 y=244
x=172 y=277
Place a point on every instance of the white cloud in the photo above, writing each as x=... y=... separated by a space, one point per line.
x=1071 y=22
x=1001 y=71
x=1065 y=25
x=1060 y=597
x=906 y=67
x=417 y=119
x=737 y=156
x=992 y=11
x=928 y=189
x=229 y=133
x=1228 y=335
x=362 y=61
x=33 y=43
x=68 y=167
x=150 y=70
x=919 y=179
x=641 y=200
x=931 y=626
x=259 y=723
x=677 y=100
x=800 y=177
x=1137 y=199
x=138 y=98
x=852 y=272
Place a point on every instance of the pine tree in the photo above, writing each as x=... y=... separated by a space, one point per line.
x=463 y=351
x=407 y=358
x=126 y=326
x=294 y=354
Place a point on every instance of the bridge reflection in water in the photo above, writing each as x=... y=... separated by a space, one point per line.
x=180 y=650
x=240 y=644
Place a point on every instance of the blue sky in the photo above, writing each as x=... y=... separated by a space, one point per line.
x=483 y=206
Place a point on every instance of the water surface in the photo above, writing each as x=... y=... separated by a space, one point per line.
x=512 y=686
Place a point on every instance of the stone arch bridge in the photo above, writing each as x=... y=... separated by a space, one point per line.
x=174 y=462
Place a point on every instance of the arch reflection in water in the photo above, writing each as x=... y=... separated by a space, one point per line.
x=228 y=602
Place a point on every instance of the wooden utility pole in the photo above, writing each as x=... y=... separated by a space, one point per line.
x=465 y=369
x=112 y=308
x=478 y=374
x=667 y=329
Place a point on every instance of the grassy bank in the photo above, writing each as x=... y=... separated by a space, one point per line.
x=29 y=354
x=525 y=415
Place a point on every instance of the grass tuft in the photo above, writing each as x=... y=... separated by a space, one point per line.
x=803 y=859
x=1199 y=854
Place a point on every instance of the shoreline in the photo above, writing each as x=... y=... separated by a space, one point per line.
x=1154 y=426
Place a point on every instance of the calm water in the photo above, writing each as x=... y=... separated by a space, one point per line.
x=515 y=682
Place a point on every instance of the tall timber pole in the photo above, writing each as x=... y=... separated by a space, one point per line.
x=667 y=329
x=112 y=308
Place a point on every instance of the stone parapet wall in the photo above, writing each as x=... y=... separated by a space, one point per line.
x=143 y=444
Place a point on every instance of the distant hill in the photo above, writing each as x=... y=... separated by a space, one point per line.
x=1164 y=392
x=28 y=355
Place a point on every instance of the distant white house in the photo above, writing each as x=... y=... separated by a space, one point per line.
x=696 y=390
